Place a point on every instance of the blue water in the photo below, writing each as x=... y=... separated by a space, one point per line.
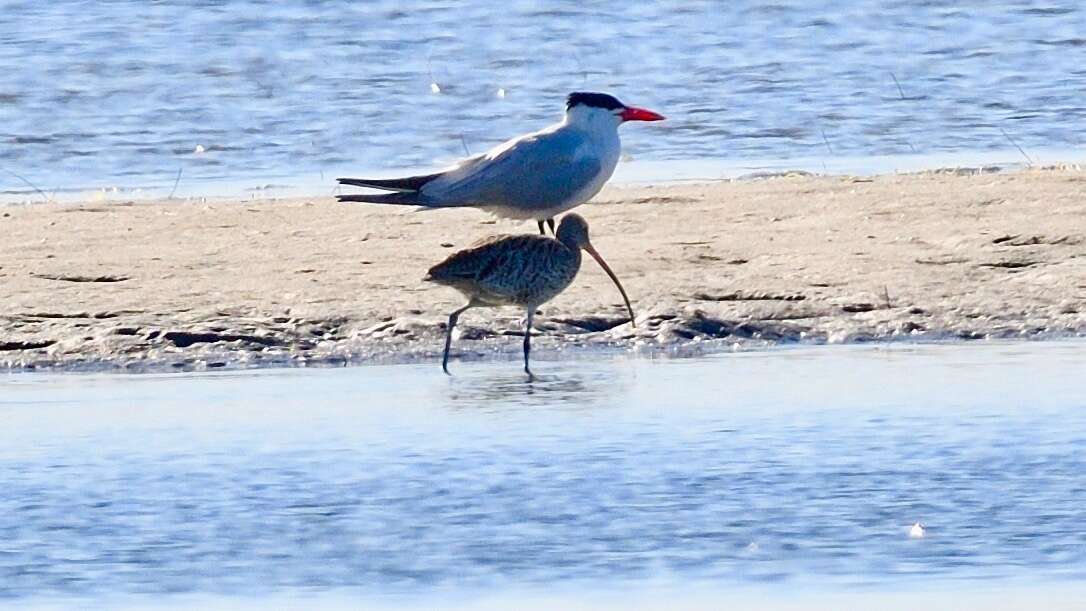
x=786 y=467
x=121 y=94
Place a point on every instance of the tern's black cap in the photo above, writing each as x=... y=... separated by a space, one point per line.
x=593 y=100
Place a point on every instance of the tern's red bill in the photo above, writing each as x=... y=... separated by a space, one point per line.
x=633 y=113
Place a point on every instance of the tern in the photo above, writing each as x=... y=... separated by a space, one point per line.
x=536 y=176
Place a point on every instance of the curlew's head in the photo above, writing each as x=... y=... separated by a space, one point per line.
x=573 y=233
x=591 y=107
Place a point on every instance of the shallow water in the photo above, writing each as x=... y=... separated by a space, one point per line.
x=801 y=467
x=121 y=94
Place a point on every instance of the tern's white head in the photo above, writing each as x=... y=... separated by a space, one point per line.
x=600 y=109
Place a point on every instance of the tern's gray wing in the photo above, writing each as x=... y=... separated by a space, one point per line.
x=537 y=172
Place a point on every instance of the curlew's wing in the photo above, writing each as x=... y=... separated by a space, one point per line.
x=468 y=263
x=500 y=267
x=519 y=266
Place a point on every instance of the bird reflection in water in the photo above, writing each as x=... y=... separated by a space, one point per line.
x=582 y=390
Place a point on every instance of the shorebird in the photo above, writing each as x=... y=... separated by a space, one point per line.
x=524 y=270
x=536 y=176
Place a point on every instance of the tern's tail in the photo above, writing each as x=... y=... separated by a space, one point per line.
x=404 y=190
x=410 y=183
x=405 y=198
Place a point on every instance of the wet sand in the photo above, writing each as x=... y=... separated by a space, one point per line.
x=184 y=284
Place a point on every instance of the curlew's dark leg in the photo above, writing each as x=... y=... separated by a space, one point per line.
x=528 y=341
x=448 y=336
x=550 y=223
x=541 y=230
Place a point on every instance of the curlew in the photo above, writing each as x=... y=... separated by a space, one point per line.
x=536 y=176
x=523 y=270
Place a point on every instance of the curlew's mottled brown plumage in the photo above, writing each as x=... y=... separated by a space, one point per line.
x=519 y=270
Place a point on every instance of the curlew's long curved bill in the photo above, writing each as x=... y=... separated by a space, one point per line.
x=595 y=255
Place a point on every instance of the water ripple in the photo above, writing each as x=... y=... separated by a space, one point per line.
x=357 y=78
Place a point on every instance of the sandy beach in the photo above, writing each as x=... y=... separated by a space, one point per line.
x=184 y=284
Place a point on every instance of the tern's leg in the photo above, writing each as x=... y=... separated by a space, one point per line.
x=448 y=335
x=528 y=341
x=550 y=223
x=541 y=230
